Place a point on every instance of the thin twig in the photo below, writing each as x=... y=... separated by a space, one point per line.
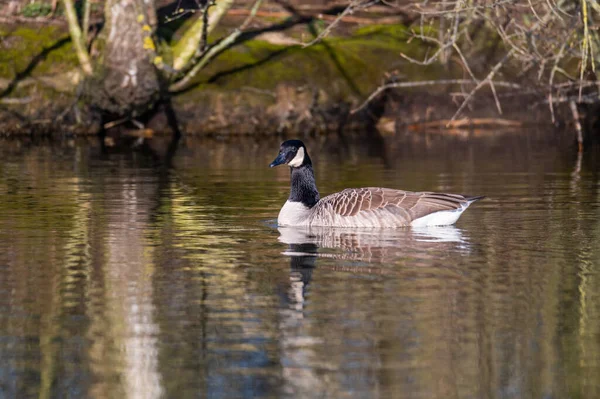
x=430 y=60
x=204 y=39
x=76 y=37
x=551 y=81
x=85 y=25
x=588 y=51
x=446 y=123
x=464 y=60
x=353 y=6
x=390 y=20
x=117 y=122
x=496 y=100
x=214 y=51
x=185 y=51
x=578 y=129
x=475 y=8
x=487 y=80
x=424 y=83
x=14 y=100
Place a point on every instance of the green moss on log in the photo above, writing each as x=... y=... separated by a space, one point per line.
x=44 y=49
x=257 y=75
x=347 y=67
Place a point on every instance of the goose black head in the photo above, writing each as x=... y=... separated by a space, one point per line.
x=293 y=153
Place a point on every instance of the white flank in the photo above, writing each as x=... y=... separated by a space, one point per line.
x=293 y=214
x=298 y=159
x=441 y=218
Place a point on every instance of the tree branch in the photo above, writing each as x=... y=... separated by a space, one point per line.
x=577 y=122
x=77 y=38
x=487 y=80
x=188 y=45
x=214 y=51
x=87 y=7
x=204 y=38
x=353 y=6
x=425 y=83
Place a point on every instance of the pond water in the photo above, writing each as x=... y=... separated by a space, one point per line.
x=159 y=272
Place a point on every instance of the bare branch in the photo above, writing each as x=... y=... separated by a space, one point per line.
x=496 y=100
x=189 y=44
x=424 y=83
x=542 y=40
x=551 y=81
x=13 y=100
x=353 y=6
x=487 y=80
x=387 y=20
x=214 y=51
x=430 y=60
x=575 y=112
x=77 y=37
x=463 y=10
x=204 y=39
x=586 y=44
x=87 y=7
x=464 y=60
x=445 y=123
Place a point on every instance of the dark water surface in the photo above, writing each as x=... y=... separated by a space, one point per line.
x=160 y=273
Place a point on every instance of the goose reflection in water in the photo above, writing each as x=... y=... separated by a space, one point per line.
x=369 y=251
x=382 y=253
x=372 y=246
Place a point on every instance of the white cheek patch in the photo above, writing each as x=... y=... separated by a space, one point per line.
x=298 y=159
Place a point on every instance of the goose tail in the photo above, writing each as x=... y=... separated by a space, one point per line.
x=472 y=198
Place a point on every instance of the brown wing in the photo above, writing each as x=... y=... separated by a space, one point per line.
x=386 y=202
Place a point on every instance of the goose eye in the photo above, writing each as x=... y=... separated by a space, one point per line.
x=290 y=155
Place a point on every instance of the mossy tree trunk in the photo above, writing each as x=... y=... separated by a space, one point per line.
x=125 y=82
x=127 y=76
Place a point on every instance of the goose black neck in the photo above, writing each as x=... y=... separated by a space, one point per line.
x=304 y=188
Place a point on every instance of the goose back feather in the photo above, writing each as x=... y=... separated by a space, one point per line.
x=383 y=207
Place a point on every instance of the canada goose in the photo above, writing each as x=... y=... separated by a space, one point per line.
x=359 y=207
